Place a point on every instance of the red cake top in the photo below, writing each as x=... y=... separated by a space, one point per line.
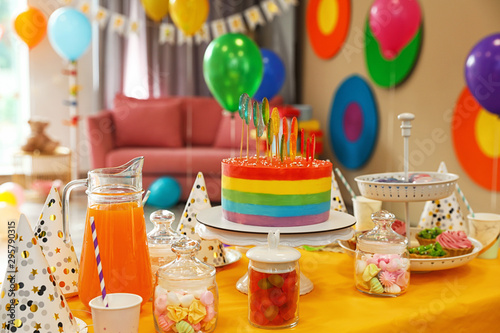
x=264 y=168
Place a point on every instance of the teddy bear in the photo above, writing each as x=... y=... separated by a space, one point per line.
x=38 y=140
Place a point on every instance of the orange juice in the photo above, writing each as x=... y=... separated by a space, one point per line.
x=121 y=233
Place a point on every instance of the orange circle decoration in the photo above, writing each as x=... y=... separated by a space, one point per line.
x=327 y=23
x=476 y=140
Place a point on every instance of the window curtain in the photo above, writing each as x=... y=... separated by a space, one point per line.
x=138 y=66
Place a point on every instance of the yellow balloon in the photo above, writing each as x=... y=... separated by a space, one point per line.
x=9 y=198
x=155 y=9
x=189 y=15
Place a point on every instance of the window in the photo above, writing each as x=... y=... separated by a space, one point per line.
x=14 y=85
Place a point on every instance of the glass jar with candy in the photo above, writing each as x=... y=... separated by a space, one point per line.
x=186 y=297
x=382 y=265
x=273 y=287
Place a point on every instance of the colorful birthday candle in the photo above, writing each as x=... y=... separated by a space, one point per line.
x=265 y=117
x=276 y=127
x=241 y=110
x=294 y=131
x=285 y=133
x=302 y=142
x=270 y=135
x=313 y=145
x=248 y=119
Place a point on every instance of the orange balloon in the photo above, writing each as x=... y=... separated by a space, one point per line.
x=189 y=15
x=31 y=26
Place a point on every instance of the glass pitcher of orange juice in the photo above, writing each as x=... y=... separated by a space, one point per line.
x=115 y=202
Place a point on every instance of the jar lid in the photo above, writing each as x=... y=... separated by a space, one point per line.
x=273 y=252
x=186 y=266
x=162 y=233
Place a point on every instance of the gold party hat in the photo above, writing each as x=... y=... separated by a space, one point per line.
x=443 y=213
x=337 y=203
x=30 y=299
x=212 y=251
x=60 y=254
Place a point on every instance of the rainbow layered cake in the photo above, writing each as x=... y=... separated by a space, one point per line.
x=274 y=193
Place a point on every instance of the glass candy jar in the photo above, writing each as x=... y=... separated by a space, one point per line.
x=186 y=298
x=160 y=240
x=382 y=266
x=273 y=285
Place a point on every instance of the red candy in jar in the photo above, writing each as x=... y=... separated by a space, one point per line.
x=273 y=290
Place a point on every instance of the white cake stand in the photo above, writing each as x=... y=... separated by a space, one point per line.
x=213 y=226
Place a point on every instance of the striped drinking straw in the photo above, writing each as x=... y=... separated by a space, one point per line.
x=346 y=184
x=462 y=195
x=99 y=266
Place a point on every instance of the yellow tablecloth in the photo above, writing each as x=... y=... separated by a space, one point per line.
x=463 y=299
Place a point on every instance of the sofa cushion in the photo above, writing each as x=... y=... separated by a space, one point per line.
x=148 y=124
x=224 y=137
x=206 y=115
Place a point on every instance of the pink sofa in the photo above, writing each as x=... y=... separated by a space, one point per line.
x=178 y=137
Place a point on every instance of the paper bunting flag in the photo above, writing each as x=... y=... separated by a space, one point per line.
x=101 y=17
x=337 y=202
x=235 y=23
x=212 y=252
x=270 y=9
x=60 y=255
x=444 y=213
x=254 y=17
x=202 y=35
x=218 y=28
x=287 y=3
x=84 y=7
x=118 y=23
x=31 y=300
x=133 y=28
x=167 y=33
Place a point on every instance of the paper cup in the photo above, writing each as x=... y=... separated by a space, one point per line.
x=122 y=315
x=485 y=227
x=363 y=210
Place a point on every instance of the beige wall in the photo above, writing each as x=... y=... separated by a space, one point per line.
x=451 y=29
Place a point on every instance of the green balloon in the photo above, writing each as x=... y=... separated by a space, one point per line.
x=232 y=65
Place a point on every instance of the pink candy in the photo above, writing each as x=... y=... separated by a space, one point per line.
x=207 y=298
x=165 y=323
x=210 y=314
x=160 y=304
x=196 y=327
x=402 y=278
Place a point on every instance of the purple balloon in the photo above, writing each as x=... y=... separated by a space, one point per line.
x=482 y=73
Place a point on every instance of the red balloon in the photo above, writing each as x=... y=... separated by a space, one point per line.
x=394 y=24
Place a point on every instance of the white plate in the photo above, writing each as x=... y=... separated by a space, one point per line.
x=232 y=256
x=429 y=264
x=212 y=217
x=442 y=187
x=82 y=326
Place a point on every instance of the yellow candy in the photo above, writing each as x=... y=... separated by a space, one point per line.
x=176 y=313
x=370 y=271
x=184 y=327
x=210 y=325
x=197 y=312
x=375 y=286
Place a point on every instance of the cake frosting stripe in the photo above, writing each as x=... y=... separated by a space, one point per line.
x=276 y=211
x=306 y=186
x=277 y=173
x=274 y=199
x=266 y=221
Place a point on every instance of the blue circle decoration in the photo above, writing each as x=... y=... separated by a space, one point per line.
x=165 y=192
x=353 y=154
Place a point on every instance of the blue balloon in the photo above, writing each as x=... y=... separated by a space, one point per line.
x=274 y=75
x=69 y=32
x=165 y=192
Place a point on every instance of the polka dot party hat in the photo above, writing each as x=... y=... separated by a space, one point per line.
x=60 y=255
x=30 y=299
x=443 y=213
x=212 y=252
x=337 y=202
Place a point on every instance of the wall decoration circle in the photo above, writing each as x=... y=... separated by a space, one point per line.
x=476 y=140
x=327 y=23
x=393 y=35
x=353 y=122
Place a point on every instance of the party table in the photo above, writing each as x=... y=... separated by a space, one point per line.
x=462 y=299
